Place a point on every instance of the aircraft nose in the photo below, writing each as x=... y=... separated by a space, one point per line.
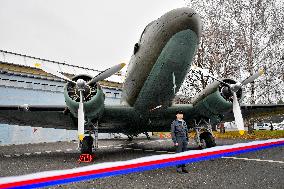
x=182 y=19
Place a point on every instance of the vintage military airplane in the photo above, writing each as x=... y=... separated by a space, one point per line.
x=155 y=73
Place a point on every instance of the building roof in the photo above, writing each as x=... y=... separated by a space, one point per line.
x=18 y=63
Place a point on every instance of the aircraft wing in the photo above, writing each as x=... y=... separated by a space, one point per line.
x=257 y=111
x=114 y=119
x=50 y=116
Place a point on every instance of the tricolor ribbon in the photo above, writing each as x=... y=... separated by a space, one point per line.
x=48 y=178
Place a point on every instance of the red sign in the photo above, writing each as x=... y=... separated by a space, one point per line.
x=86 y=158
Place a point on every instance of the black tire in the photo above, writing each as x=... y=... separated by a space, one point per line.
x=87 y=145
x=208 y=138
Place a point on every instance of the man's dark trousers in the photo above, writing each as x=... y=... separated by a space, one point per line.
x=182 y=147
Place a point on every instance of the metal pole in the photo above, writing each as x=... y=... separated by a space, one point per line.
x=4 y=58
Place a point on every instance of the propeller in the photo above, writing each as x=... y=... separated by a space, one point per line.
x=81 y=86
x=238 y=114
x=52 y=71
x=253 y=77
x=81 y=117
x=107 y=73
x=234 y=88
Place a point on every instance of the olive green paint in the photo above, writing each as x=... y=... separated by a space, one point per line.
x=213 y=104
x=93 y=108
x=176 y=57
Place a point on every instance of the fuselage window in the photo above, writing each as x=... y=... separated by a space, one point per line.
x=116 y=95
x=108 y=94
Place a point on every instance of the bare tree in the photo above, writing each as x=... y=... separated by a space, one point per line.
x=239 y=37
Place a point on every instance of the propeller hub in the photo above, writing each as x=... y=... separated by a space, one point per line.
x=226 y=92
x=230 y=88
x=236 y=87
x=81 y=84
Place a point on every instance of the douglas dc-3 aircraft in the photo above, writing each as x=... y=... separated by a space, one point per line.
x=157 y=68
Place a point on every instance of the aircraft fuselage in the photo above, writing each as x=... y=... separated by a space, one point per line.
x=164 y=54
x=155 y=73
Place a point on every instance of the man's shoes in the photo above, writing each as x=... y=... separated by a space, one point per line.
x=185 y=171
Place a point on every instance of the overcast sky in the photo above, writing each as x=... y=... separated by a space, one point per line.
x=95 y=34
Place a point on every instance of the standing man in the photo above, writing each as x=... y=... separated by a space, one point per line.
x=179 y=134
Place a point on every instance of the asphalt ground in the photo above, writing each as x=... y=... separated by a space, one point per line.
x=261 y=169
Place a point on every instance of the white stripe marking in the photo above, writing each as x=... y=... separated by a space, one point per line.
x=48 y=151
x=69 y=149
x=128 y=148
x=259 y=160
x=149 y=150
x=117 y=147
x=160 y=151
x=171 y=152
x=18 y=155
x=58 y=150
x=37 y=152
x=7 y=155
x=27 y=154
x=137 y=149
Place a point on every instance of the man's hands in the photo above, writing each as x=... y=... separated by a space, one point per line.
x=176 y=144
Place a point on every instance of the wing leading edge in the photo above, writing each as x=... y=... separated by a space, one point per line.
x=114 y=119
x=49 y=116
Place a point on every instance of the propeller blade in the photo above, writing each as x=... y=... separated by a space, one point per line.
x=81 y=118
x=253 y=77
x=238 y=114
x=52 y=72
x=107 y=73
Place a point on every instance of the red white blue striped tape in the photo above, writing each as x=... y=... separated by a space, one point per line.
x=101 y=170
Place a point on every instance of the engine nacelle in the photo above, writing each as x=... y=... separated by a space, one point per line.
x=216 y=99
x=93 y=98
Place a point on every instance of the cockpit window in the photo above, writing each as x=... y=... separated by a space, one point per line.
x=137 y=45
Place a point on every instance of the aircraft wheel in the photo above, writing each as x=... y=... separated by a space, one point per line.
x=87 y=145
x=207 y=140
x=202 y=144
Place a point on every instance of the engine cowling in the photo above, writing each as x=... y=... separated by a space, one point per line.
x=93 y=98
x=216 y=99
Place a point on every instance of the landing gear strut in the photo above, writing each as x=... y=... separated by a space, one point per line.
x=204 y=136
x=130 y=137
x=147 y=135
